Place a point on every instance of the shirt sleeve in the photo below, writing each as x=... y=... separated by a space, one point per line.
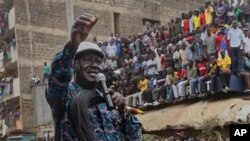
x=211 y=9
x=182 y=23
x=132 y=128
x=58 y=82
x=228 y=35
x=242 y=35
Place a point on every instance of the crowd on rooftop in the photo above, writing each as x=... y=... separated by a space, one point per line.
x=174 y=62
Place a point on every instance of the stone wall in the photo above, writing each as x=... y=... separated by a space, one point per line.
x=131 y=13
x=41 y=30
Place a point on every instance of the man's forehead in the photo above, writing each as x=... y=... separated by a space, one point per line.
x=90 y=54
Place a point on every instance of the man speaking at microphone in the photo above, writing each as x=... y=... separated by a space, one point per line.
x=79 y=109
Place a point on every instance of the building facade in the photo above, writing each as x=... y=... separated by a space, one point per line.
x=41 y=28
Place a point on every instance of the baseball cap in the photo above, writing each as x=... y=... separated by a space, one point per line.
x=88 y=46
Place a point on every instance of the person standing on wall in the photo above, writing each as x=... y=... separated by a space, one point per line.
x=46 y=71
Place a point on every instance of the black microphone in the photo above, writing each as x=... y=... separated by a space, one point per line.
x=101 y=78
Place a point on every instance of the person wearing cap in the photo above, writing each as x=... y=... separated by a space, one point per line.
x=235 y=37
x=78 y=108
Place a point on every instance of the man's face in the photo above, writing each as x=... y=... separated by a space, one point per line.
x=112 y=41
x=190 y=64
x=208 y=32
x=220 y=2
x=146 y=57
x=223 y=54
x=234 y=25
x=216 y=21
x=177 y=47
x=245 y=32
x=87 y=66
x=138 y=56
x=201 y=59
x=243 y=22
x=248 y=34
x=152 y=57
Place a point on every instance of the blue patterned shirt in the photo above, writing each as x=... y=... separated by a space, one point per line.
x=108 y=125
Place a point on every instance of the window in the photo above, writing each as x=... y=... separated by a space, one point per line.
x=150 y=22
x=117 y=23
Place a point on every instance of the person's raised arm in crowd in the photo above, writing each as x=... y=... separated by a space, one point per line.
x=62 y=65
x=74 y=104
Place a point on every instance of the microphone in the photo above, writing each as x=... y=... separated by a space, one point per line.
x=101 y=78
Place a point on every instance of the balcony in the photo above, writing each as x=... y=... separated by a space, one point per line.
x=10 y=116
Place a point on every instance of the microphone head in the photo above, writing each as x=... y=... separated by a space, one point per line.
x=100 y=77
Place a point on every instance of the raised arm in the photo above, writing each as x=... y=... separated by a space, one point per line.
x=62 y=65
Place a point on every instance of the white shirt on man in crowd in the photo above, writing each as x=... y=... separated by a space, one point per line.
x=176 y=55
x=152 y=70
x=110 y=50
x=247 y=44
x=235 y=36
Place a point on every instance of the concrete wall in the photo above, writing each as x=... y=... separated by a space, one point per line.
x=131 y=13
x=42 y=30
x=42 y=112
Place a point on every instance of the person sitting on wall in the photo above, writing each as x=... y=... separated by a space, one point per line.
x=35 y=80
x=224 y=62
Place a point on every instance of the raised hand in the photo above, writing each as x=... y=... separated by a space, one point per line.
x=81 y=28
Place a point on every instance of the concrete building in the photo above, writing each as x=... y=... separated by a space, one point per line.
x=41 y=28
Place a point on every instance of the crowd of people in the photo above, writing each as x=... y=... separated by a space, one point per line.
x=174 y=62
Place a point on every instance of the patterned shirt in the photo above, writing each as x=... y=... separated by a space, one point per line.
x=107 y=125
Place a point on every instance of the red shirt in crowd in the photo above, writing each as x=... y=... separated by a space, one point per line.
x=164 y=61
x=165 y=34
x=182 y=73
x=202 y=68
x=162 y=36
x=185 y=26
x=202 y=19
x=221 y=43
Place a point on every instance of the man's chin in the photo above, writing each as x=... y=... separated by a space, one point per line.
x=90 y=84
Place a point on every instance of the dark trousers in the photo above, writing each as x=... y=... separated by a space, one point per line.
x=235 y=54
x=213 y=82
x=148 y=96
x=225 y=78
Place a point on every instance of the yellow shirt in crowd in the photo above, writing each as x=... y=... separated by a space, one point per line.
x=224 y=64
x=143 y=85
x=196 y=21
x=208 y=15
